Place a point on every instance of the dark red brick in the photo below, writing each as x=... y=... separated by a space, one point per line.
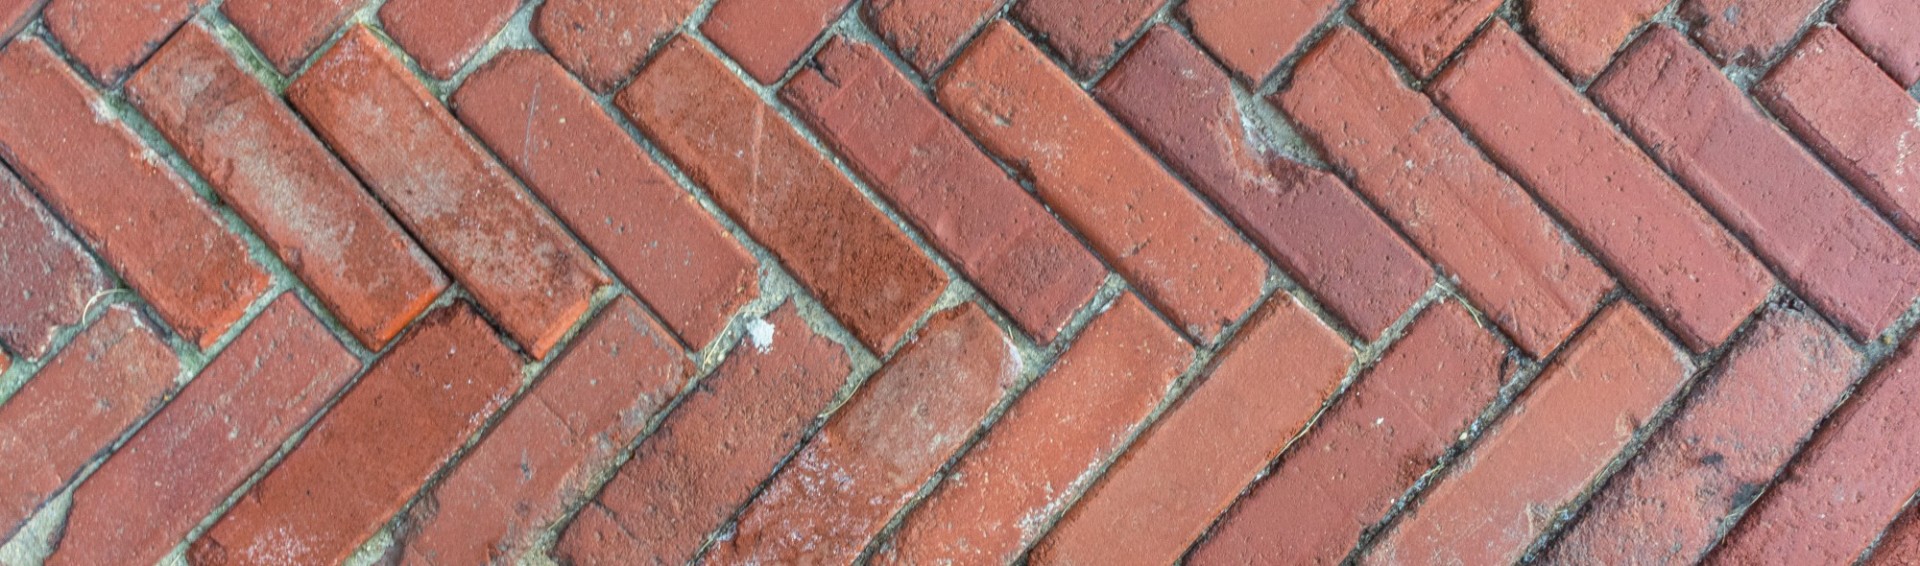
x=604 y=41
x=142 y=218
x=1166 y=490
x=1746 y=32
x=1101 y=182
x=928 y=32
x=1509 y=257
x=1086 y=33
x=288 y=31
x=49 y=278
x=1423 y=33
x=766 y=38
x=1582 y=36
x=205 y=443
x=1252 y=36
x=466 y=209
x=1844 y=259
x=264 y=163
x=1183 y=109
x=1888 y=30
x=109 y=38
x=910 y=153
x=1900 y=545
x=713 y=450
x=386 y=437
x=443 y=34
x=14 y=14
x=784 y=193
x=647 y=229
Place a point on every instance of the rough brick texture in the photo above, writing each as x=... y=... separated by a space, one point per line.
x=1085 y=32
x=1901 y=544
x=287 y=32
x=49 y=278
x=1423 y=33
x=928 y=32
x=109 y=37
x=603 y=41
x=1582 y=36
x=1889 y=31
x=767 y=38
x=1252 y=36
x=442 y=34
x=1746 y=32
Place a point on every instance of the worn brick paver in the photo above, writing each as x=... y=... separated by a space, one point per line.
x=1423 y=33
x=927 y=32
x=1888 y=30
x=16 y=13
x=1582 y=36
x=1900 y=545
x=1085 y=32
x=442 y=34
x=767 y=38
x=287 y=32
x=1746 y=32
x=50 y=278
x=603 y=41
x=109 y=38
x=1251 y=36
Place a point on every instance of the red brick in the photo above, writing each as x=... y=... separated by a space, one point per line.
x=14 y=14
x=604 y=41
x=137 y=213
x=1183 y=109
x=264 y=163
x=205 y=443
x=443 y=34
x=1181 y=474
x=49 y=278
x=1508 y=256
x=768 y=37
x=1888 y=30
x=556 y=137
x=109 y=38
x=910 y=153
x=466 y=209
x=874 y=454
x=288 y=31
x=928 y=32
x=1085 y=165
x=1252 y=36
x=591 y=405
x=112 y=373
x=1086 y=33
x=1368 y=449
x=1830 y=246
x=1695 y=276
x=784 y=193
x=1582 y=36
x=1746 y=32
x=1901 y=543
x=386 y=437
x=1423 y=33
x=708 y=456
x=1556 y=439
x=1733 y=435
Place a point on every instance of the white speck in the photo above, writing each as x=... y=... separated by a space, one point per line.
x=1379 y=421
x=761 y=332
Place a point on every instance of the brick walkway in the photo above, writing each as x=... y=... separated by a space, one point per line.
x=930 y=282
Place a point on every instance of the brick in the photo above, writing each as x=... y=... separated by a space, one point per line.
x=1719 y=450
x=1182 y=473
x=706 y=459
x=1665 y=247
x=287 y=32
x=1397 y=149
x=1184 y=109
x=108 y=38
x=1555 y=440
x=1746 y=32
x=1086 y=33
x=590 y=406
x=604 y=41
x=1889 y=31
x=1372 y=445
x=766 y=38
x=109 y=376
x=928 y=32
x=14 y=14
x=1251 y=36
x=138 y=214
x=783 y=192
x=1423 y=33
x=443 y=34
x=1583 y=36
x=205 y=443
x=49 y=278
x=1845 y=260
x=648 y=230
x=905 y=422
x=1092 y=173
x=1900 y=544
x=910 y=153
x=266 y=164
x=464 y=207
x=367 y=456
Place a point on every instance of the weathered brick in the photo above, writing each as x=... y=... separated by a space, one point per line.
x=108 y=38
x=1746 y=32
x=1183 y=109
x=718 y=444
x=620 y=372
x=1423 y=33
x=442 y=35
x=1665 y=247
x=647 y=229
x=783 y=192
x=367 y=456
x=1900 y=545
x=466 y=209
x=604 y=41
x=1508 y=256
x=288 y=31
x=1557 y=438
x=928 y=32
x=1166 y=490
x=1368 y=449
x=910 y=153
x=1252 y=36
x=1085 y=165
x=1583 y=36
x=1888 y=30
x=142 y=218
x=1735 y=432
x=1086 y=33
x=1847 y=261
x=766 y=38
x=205 y=443
x=264 y=163
x=48 y=277
x=14 y=14
x=112 y=373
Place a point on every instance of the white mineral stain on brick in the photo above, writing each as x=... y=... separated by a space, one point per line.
x=761 y=333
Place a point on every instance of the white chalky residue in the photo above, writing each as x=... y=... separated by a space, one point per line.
x=761 y=333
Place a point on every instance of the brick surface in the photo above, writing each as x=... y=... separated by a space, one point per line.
x=713 y=450
x=109 y=38
x=368 y=455
x=783 y=192
x=910 y=153
x=1746 y=32
x=766 y=38
x=1544 y=452
x=264 y=163
x=1183 y=108
x=1368 y=449
x=443 y=34
x=1901 y=543
x=620 y=372
x=205 y=443
x=1085 y=32
x=1509 y=257
x=1583 y=36
x=48 y=277
x=928 y=32
x=14 y=14
x=1252 y=36
x=1847 y=261
x=647 y=229
x=1664 y=246
x=287 y=32
x=135 y=211
x=1888 y=30
x=1085 y=165
x=1186 y=470
x=466 y=209
x=1423 y=33
x=603 y=41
